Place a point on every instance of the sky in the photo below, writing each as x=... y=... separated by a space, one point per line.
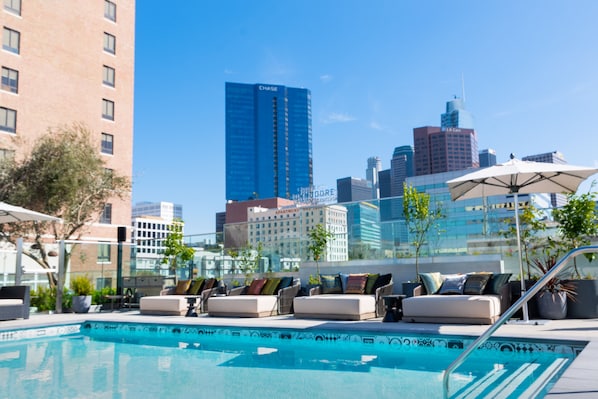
x=528 y=71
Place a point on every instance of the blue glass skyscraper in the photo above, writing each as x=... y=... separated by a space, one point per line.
x=268 y=141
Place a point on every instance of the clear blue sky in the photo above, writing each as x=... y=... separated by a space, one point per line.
x=376 y=69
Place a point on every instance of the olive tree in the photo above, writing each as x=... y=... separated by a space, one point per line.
x=65 y=176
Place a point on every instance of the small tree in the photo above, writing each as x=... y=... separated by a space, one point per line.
x=63 y=176
x=176 y=253
x=578 y=221
x=419 y=217
x=530 y=224
x=319 y=238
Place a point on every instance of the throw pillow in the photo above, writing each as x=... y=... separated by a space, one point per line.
x=356 y=283
x=432 y=282
x=285 y=282
x=475 y=284
x=453 y=285
x=271 y=286
x=331 y=284
x=344 y=278
x=496 y=282
x=182 y=287
x=256 y=286
x=209 y=284
x=369 y=285
x=381 y=281
x=196 y=286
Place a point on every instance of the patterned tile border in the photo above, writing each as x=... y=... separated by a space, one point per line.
x=403 y=341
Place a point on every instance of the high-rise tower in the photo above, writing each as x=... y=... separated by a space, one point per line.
x=268 y=141
x=456 y=115
x=401 y=167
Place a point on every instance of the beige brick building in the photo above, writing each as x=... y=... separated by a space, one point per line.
x=71 y=61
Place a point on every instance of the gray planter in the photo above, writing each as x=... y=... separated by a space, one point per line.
x=552 y=305
x=585 y=304
x=81 y=303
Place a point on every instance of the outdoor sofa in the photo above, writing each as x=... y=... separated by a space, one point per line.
x=173 y=301
x=345 y=297
x=474 y=298
x=15 y=302
x=263 y=297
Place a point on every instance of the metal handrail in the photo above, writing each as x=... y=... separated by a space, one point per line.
x=509 y=312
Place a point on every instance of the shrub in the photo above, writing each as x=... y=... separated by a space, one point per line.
x=81 y=285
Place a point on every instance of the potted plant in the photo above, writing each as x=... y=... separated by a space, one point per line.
x=82 y=290
x=319 y=238
x=553 y=297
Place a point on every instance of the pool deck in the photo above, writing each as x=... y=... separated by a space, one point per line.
x=579 y=381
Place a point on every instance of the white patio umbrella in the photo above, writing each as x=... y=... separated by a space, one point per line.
x=11 y=213
x=519 y=177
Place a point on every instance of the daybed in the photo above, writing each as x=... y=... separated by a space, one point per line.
x=15 y=302
x=476 y=298
x=262 y=298
x=173 y=301
x=345 y=297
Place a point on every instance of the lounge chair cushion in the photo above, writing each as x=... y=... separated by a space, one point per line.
x=271 y=286
x=331 y=284
x=182 y=286
x=256 y=286
x=475 y=283
x=356 y=284
x=243 y=305
x=453 y=285
x=432 y=282
x=335 y=306
x=442 y=308
x=163 y=304
x=369 y=285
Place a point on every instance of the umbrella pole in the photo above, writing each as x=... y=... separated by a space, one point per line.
x=524 y=308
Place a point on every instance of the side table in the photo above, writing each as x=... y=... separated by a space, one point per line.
x=113 y=298
x=394 y=307
x=191 y=300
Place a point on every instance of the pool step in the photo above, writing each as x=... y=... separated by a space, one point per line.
x=498 y=384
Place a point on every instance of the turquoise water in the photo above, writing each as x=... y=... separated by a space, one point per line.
x=115 y=360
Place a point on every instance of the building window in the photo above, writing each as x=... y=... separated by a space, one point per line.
x=107 y=143
x=6 y=155
x=10 y=40
x=8 y=120
x=103 y=253
x=110 y=10
x=108 y=76
x=13 y=6
x=107 y=109
x=10 y=80
x=106 y=217
x=109 y=43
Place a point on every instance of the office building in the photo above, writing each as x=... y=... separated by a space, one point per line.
x=268 y=141
x=353 y=189
x=556 y=199
x=487 y=158
x=384 y=183
x=164 y=210
x=371 y=175
x=66 y=62
x=456 y=115
x=439 y=150
x=285 y=230
x=401 y=167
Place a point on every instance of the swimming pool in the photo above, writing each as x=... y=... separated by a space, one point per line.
x=140 y=360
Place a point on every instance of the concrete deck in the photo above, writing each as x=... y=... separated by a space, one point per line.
x=579 y=380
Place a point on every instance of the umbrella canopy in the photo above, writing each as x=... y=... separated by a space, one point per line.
x=11 y=213
x=521 y=177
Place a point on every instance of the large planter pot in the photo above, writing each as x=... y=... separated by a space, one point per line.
x=552 y=305
x=81 y=303
x=585 y=302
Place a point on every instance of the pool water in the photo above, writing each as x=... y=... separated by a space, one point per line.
x=129 y=360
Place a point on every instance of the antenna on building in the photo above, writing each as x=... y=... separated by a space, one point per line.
x=462 y=87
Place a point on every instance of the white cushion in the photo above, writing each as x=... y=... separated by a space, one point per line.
x=10 y=302
x=459 y=306
x=340 y=304
x=168 y=303
x=242 y=304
